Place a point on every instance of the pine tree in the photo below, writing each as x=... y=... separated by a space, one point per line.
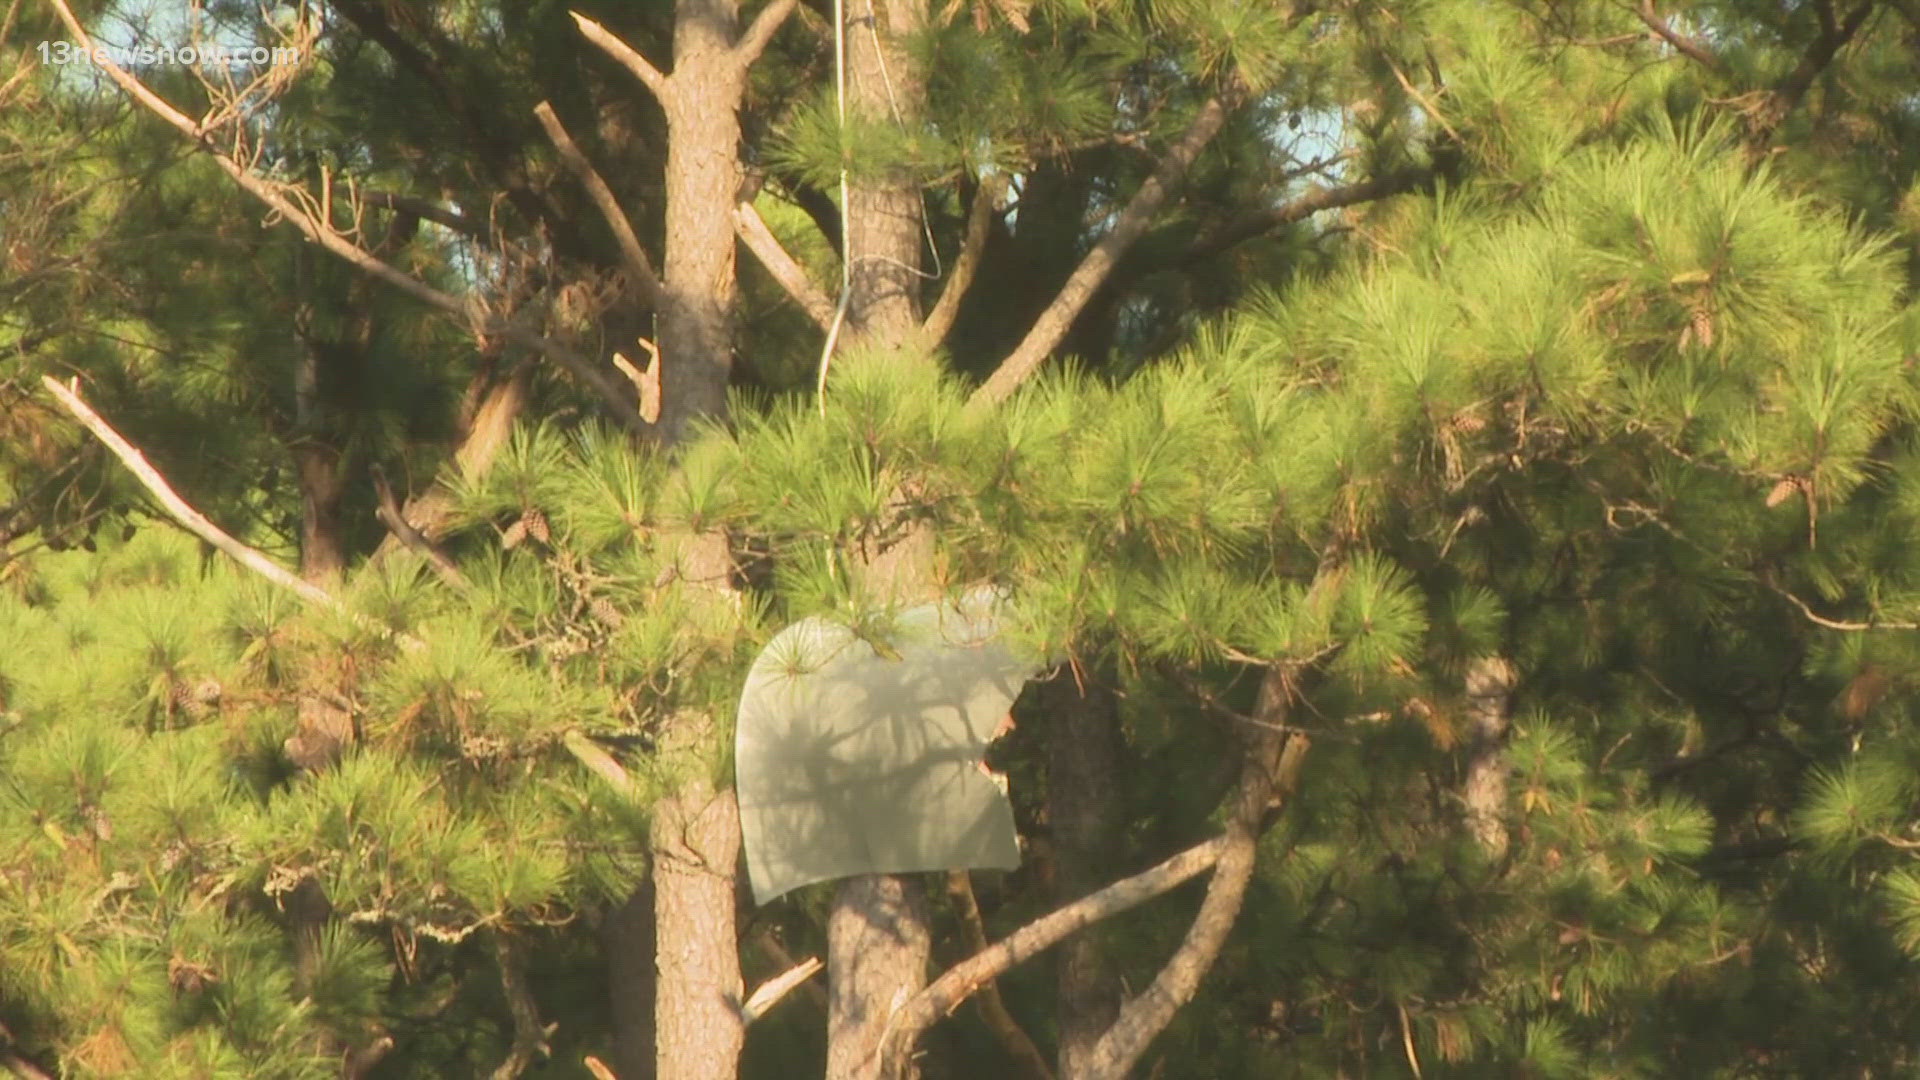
x=1510 y=576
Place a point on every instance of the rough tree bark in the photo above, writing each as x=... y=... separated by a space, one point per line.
x=1490 y=681
x=1084 y=809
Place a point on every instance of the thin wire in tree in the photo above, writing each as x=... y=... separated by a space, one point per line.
x=846 y=253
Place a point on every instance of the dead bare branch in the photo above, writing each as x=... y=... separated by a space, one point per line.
x=639 y=267
x=194 y=521
x=753 y=232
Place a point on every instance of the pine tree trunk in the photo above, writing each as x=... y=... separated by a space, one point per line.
x=877 y=948
x=697 y=1030
x=1084 y=809
x=878 y=941
x=696 y=842
x=316 y=463
x=1490 y=682
x=703 y=177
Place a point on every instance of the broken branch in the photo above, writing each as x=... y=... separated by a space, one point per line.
x=628 y=57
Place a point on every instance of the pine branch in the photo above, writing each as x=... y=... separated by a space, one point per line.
x=194 y=521
x=322 y=233
x=1248 y=226
x=951 y=989
x=628 y=57
x=476 y=110
x=529 y=1038
x=1272 y=764
x=389 y=511
x=973 y=933
x=1051 y=327
x=1684 y=45
x=760 y=32
x=639 y=267
x=1786 y=96
x=426 y=209
x=753 y=232
x=946 y=309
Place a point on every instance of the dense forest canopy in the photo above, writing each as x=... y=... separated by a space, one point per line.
x=1460 y=459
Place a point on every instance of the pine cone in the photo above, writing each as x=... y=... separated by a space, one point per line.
x=536 y=523
x=515 y=533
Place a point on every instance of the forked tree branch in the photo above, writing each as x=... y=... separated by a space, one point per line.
x=639 y=267
x=1786 y=96
x=753 y=232
x=959 y=982
x=940 y=320
x=1268 y=777
x=628 y=57
x=322 y=233
x=1051 y=327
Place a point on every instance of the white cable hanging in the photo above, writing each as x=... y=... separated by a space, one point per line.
x=846 y=256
